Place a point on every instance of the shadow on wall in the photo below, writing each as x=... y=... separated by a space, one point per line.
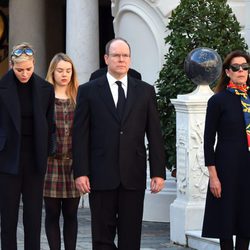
x=4 y=48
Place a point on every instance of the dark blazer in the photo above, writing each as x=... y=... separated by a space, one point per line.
x=102 y=71
x=10 y=122
x=111 y=151
x=228 y=215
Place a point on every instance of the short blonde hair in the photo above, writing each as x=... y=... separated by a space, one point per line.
x=23 y=57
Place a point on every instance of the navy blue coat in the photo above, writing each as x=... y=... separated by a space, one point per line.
x=229 y=215
x=10 y=122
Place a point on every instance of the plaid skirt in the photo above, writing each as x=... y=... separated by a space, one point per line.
x=59 y=181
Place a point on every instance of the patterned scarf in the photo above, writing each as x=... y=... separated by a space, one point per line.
x=245 y=102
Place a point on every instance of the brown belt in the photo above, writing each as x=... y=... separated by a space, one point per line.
x=62 y=156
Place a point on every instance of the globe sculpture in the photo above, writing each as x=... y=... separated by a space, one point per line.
x=203 y=66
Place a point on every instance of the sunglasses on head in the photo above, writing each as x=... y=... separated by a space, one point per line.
x=26 y=51
x=236 y=67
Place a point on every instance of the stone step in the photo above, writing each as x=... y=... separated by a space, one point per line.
x=195 y=241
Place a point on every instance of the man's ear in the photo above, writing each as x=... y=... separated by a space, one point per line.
x=106 y=59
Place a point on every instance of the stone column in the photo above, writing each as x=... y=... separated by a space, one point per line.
x=26 y=24
x=186 y=212
x=247 y=27
x=240 y=9
x=82 y=41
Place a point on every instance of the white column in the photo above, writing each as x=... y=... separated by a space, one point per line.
x=26 y=24
x=247 y=27
x=241 y=10
x=82 y=41
x=186 y=212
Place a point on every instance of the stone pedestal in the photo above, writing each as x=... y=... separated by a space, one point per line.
x=186 y=212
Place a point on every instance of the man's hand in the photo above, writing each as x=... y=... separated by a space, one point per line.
x=83 y=184
x=156 y=184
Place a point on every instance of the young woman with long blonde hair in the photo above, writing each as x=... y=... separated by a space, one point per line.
x=60 y=193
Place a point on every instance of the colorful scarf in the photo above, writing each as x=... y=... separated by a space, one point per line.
x=245 y=102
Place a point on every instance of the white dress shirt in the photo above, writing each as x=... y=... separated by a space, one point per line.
x=114 y=87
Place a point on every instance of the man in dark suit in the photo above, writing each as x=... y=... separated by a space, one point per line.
x=103 y=71
x=26 y=112
x=113 y=114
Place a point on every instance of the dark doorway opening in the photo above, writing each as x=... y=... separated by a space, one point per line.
x=56 y=37
x=106 y=31
x=55 y=28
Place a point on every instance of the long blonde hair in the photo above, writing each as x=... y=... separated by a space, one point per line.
x=73 y=84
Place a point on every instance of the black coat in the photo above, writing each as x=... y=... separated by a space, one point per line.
x=229 y=215
x=10 y=122
x=111 y=151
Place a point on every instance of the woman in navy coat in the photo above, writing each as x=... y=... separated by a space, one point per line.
x=26 y=112
x=227 y=211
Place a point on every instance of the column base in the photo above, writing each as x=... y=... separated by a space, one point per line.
x=184 y=216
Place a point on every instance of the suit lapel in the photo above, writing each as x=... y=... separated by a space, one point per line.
x=107 y=97
x=36 y=98
x=131 y=98
x=8 y=92
x=37 y=101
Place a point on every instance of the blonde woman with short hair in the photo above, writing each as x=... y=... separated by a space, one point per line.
x=26 y=112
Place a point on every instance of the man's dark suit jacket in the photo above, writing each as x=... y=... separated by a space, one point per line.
x=102 y=71
x=111 y=151
x=10 y=122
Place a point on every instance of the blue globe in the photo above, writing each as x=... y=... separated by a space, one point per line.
x=203 y=66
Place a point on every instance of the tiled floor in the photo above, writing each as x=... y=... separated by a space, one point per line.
x=155 y=235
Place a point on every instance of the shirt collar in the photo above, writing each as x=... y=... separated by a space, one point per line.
x=112 y=80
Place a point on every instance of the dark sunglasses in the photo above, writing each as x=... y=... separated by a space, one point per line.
x=19 y=52
x=236 y=67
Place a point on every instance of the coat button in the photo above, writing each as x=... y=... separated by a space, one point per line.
x=121 y=132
